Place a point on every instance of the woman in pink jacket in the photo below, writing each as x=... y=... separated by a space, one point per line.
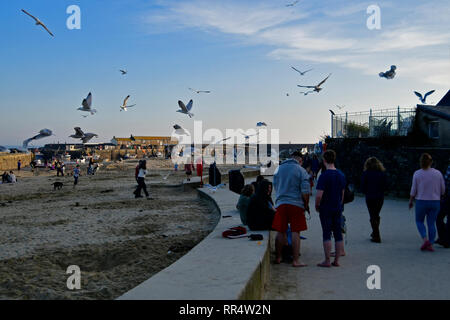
x=427 y=188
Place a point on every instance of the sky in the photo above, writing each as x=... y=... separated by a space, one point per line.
x=241 y=50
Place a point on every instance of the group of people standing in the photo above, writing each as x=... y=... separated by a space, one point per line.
x=292 y=185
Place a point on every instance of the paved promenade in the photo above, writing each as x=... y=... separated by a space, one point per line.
x=406 y=272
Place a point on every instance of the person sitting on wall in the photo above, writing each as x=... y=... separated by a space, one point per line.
x=258 y=180
x=244 y=201
x=261 y=211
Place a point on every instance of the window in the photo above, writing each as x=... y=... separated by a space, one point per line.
x=433 y=130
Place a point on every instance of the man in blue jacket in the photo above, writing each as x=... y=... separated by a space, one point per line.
x=291 y=184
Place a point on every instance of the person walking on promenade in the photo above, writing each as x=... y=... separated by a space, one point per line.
x=329 y=203
x=291 y=184
x=373 y=185
x=141 y=181
x=19 y=165
x=427 y=188
x=442 y=228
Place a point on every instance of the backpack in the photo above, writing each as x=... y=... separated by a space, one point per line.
x=349 y=193
x=136 y=171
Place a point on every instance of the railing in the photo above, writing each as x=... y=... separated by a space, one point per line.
x=373 y=123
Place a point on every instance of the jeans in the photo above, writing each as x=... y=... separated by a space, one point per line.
x=141 y=186
x=374 y=206
x=430 y=210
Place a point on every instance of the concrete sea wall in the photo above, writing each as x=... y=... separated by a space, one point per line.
x=399 y=159
x=8 y=161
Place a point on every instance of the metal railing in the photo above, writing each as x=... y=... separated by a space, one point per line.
x=373 y=123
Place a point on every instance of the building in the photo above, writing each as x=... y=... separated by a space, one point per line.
x=434 y=121
x=145 y=142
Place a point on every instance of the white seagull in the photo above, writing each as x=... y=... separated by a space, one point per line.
x=38 y=22
x=200 y=91
x=179 y=130
x=316 y=88
x=186 y=109
x=424 y=98
x=124 y=105
x=42 y=134
x=390 y=74
x=301 y=72
x=87 y=104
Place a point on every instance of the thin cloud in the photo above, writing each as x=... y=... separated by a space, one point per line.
x=301 y=35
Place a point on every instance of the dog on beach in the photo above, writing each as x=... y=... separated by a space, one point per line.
x=57 y=185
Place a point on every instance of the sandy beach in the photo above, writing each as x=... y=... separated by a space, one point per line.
x=116 y=240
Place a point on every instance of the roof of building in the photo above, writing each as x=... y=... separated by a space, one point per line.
x=143 y=138
x=445 y=101
x=441 y=110
x=437 y=111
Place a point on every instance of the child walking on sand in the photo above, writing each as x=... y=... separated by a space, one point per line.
x=76 y=174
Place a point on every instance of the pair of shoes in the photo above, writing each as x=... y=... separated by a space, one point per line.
x=426 y=245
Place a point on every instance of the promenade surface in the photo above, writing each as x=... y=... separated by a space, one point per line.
x=406 y=272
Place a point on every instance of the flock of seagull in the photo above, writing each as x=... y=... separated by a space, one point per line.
x=86 y=105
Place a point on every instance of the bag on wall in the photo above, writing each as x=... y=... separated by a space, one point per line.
x=236 y=181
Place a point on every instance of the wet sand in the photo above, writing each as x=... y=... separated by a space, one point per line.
x=116 y=240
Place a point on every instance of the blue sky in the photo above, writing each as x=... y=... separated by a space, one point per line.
x=240 y=50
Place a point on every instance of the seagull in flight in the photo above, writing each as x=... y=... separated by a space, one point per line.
x=186 y=109
x=38 y=22
x=86 y=105
x=42 y=134
x=200 y=91
x=124 y=106
x=85 y=137
x=293 y=3
x=247 y=137
x=179 y=130
x=302 y=72
x=424 y=98
x=390 y=74
x=316 y=88
x=166 y=176
x=261 y=124
x=124 y=72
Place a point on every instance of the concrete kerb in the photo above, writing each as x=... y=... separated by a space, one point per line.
x=217 y=268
